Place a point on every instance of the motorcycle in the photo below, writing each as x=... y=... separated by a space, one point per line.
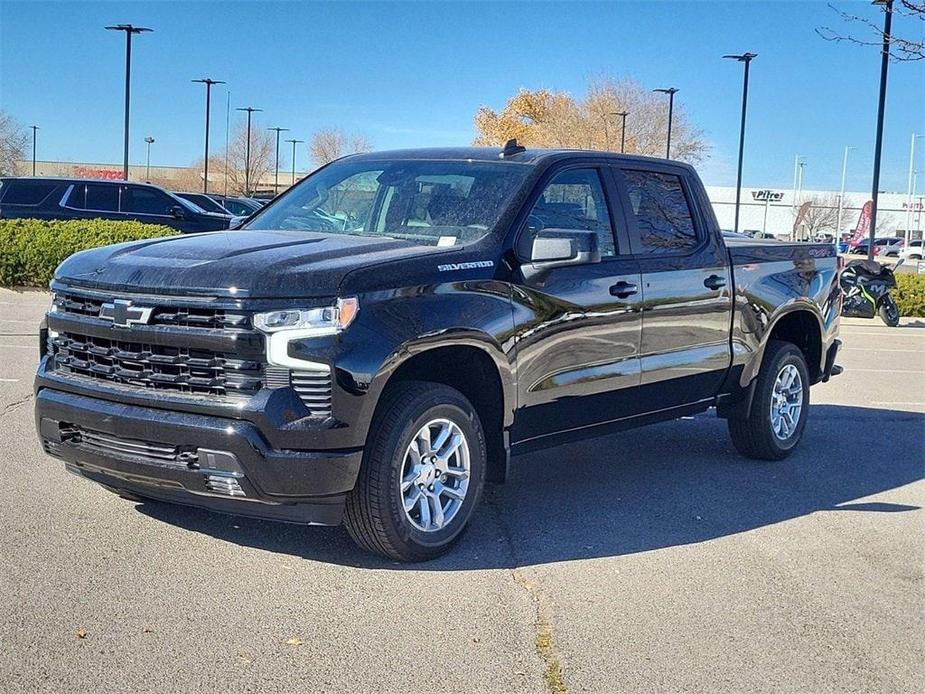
x=866 y=286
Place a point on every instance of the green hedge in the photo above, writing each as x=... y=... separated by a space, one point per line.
x=31 y=249
x=910 y=295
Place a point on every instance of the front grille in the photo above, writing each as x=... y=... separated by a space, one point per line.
x=184 y=317
x=156 y=367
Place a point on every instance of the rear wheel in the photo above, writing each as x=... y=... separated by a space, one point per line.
x=889 y=311
x=775 y=424
x=422 y=473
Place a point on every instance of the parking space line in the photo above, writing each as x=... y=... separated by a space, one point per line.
x=890 y=371
x=9 y=380
x=878 y=349
x=18 y=347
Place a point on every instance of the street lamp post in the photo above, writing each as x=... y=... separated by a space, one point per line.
x=745 y=58
x=294 y=143
x=881 y=105
x=910 y=188
x=276 y=169
x=671 y=91
x=796 y=172
x=149 y=141
x=622 y=114
x=841 y=196
x=35 y=129
x=247 y=150
x=129 y=30
x=205 y=174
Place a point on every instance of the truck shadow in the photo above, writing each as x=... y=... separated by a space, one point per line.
x=670 y=484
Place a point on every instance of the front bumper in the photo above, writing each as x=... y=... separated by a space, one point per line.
x=217 y=463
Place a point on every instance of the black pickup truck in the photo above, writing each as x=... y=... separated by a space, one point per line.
x=378 y=341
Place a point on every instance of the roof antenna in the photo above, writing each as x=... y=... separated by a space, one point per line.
x=511 y=148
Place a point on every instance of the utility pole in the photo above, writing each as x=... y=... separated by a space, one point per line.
x=149 y=141
x=671 y=91
x=747 y=59
x=841 y=197
x=881 y=106
x=910 y=190
x=35 y=129
x=129 y=30
x=205 y=174
x=247 y=150
x=623 y=114
x=276 y=168
x=294 y=143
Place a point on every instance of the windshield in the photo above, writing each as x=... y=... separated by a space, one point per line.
x=443 y=203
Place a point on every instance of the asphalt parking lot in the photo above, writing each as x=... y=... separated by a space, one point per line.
x=650 y=560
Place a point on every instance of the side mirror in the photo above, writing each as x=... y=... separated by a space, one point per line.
x=560 y=247
x=177 y=212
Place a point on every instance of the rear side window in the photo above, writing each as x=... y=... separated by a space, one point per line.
x=26 y=192
x=94 y=196
x=663 y=215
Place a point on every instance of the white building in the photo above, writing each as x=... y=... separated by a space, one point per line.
x=773 y=210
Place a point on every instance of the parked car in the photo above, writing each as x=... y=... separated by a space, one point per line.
x=240 y=207
x=72 y=198
x=912 y=250
x=397 y=325
x=888 y=247
x=203 y=201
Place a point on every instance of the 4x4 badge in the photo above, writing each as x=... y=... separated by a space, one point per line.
x=123 y=313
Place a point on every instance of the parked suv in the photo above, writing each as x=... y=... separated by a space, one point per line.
x=240 y=207
x=912 y=250
x=398 y=324
x=71 y=198
x=203 y=201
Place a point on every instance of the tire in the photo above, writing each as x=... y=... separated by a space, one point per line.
x=755 y=436
x=375 y=513
x=889 y=311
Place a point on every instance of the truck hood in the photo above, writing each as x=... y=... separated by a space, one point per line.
x=257 y=264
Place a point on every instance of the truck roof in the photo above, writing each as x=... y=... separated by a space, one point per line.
x=527 y=156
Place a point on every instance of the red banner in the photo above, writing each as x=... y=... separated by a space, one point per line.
x=862 y=230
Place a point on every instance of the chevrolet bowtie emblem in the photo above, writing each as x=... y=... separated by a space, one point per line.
x=123 y=314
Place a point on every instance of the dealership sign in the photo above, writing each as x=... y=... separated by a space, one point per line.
x=767 y=195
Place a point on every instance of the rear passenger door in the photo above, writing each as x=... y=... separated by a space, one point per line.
x=686 y=284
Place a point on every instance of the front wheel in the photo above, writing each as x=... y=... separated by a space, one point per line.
x=775 y=423
x=422 y=473
x=889 y=311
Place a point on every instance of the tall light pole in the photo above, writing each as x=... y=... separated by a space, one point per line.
x=129 y=31
x=623 y=115
x=671 y=91
x=909 y=190
x=35 y=130
x=841 y=196
x=247 y=150
x=797 y=159
x=149 y=141
x=745 y=58
x=276 y=169
x=205 y=174
x=294 y=143
x=881 y=105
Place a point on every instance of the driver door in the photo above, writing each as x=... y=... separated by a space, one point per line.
x=579 y=326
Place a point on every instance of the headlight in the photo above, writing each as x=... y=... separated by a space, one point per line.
x=327 y=319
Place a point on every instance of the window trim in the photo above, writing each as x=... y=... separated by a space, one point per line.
x=614 y=206
x=700 y=229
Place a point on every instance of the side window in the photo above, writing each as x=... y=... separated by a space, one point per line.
x=574 y=199
x=27 y=192
x=94 y=196
x=142 y=200
x=663 y=216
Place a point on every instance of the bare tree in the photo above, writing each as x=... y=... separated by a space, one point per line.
x=870 y=33
x=329 y=144
x=262 y=161
x=14 y=141
x=820 y=216
x=543 y=118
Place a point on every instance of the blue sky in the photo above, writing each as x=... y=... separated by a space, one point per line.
x=413 y=74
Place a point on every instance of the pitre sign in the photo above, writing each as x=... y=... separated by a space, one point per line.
x=767 y=195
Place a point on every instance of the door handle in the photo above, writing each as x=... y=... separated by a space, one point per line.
x=714 y=282
x=621 y=289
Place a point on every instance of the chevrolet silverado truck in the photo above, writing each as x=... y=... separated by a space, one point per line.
x=375 y=344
